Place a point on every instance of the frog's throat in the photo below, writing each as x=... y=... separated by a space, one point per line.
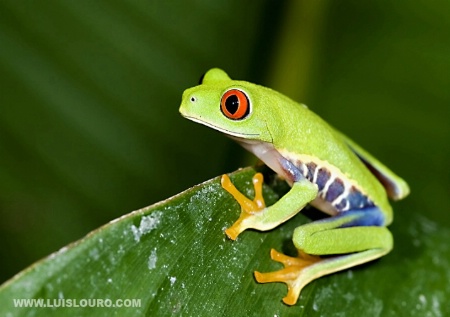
x=267 y=153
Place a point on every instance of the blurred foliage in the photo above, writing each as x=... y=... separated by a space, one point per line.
x=89 y=123
x=89 y=120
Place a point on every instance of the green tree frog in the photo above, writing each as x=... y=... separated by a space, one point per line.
x=323 y=167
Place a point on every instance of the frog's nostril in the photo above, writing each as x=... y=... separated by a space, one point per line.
x=193 y=99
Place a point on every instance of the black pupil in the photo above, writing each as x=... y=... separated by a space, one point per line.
x=232 y=104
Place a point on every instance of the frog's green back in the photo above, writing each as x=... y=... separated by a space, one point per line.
x=395 y=186
x=308 y=134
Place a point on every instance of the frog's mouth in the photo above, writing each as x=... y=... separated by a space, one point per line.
x=226 y=131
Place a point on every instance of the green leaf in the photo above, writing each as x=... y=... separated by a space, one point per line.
x=173 y=257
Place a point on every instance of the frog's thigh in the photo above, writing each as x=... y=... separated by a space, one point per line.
x=350 y=232
x=353 y=237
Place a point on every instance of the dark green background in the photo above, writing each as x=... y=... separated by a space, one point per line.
x=89 y=96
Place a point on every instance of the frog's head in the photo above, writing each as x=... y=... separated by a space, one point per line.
x=228 y=106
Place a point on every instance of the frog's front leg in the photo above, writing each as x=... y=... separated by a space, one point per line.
x=350 y=236
x=254 y=213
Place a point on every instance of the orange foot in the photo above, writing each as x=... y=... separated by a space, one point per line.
x=296 y=273
x=248 y=207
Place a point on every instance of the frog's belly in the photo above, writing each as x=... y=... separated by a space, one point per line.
x=336 y=193
x=323 y=205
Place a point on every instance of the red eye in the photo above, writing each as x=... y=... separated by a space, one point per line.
x=235 y=104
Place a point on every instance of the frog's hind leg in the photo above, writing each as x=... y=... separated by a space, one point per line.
x=349 y=246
